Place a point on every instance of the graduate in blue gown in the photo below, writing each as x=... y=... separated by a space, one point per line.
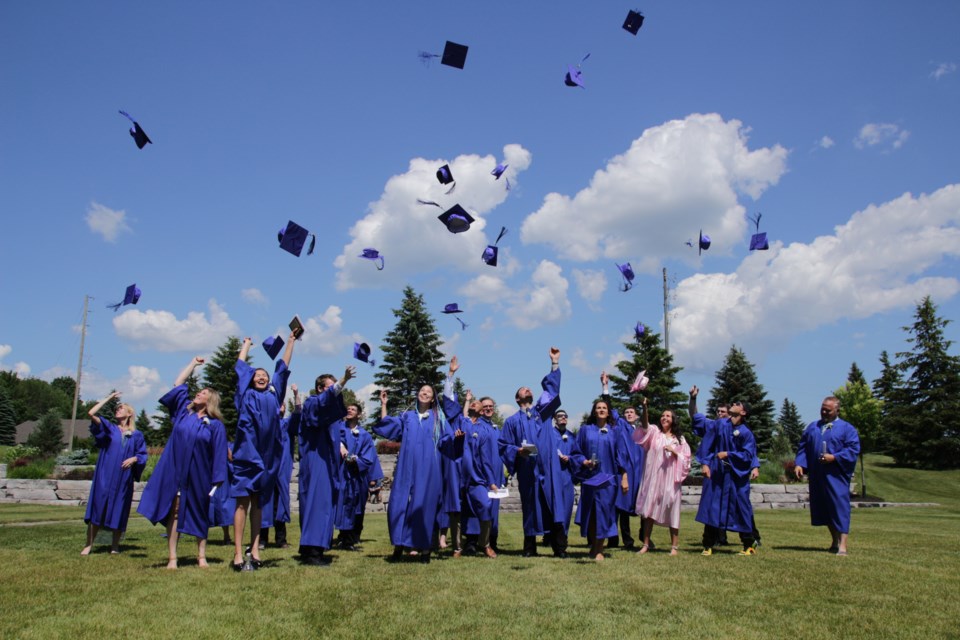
x=633 y=459
x=276 y=509
x=828 y=455
x=320 y=461
x=374 y=485
x=597 y=452
x=222 y=506
x=452 y=499
x=727 y=455
x=257 y=447
x=487 y=410
x=358 y=458
x=123 y=455
x=417 y=482
x=565 y=440
x=538 y=473
x=193 y=463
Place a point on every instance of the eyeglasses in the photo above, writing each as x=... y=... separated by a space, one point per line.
x=486 y=406
x=561 y=415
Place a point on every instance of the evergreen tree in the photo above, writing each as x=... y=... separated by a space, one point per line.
x=855 y=375
x=662 y=391
x=220 y=373
x=886 y=389
x=144 y=426
x=411 y=355
x=8 y=420
x=737 y=382
x=48 y=436
x=925 y=417
x=163 y=416
x=790 y=424
x=863 y=411
x=109 y=410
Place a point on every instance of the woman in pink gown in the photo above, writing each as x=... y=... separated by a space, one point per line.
x=667 y=465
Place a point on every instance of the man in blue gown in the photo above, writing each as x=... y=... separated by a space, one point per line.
x=828 y=455
x=320 y=466
x=358 y=458
x=565 y=441
x=276 y=509
x=528 y=449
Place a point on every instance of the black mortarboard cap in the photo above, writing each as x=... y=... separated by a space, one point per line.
x=453 y=307
x=293 y=237
x=758 y=242
x=490 y=253
x=633 y=22
x=444 y=175
x=361 y=351
x=628 y=275
x=138 y=134
x=454 y=55
x=704 y=242
x=272 y=346
x=456 y=219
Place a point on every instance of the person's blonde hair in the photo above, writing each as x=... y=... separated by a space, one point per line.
x=213 y=404
x=131 y=411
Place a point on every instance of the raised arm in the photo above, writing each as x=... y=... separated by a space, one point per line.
x=288 y=352
x=188 y=370
x=348 y=373
x=95 y=409
x=694 y=392
x=383 y=403
x=245 y=349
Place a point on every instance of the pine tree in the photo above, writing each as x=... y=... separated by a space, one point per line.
x=737 y=382
x=144 y=426
x=48 y=436
x=411 y=355
x=886 y=389
x=109 y=410
x=163 y=416
x=855 y=375
x=8 y=420
x=662 y=391
x=220 y=373
x=790 y=423
x=925 y=416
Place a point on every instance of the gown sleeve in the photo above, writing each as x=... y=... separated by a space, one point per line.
x=390 y=428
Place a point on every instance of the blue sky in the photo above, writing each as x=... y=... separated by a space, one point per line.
x=837 y=122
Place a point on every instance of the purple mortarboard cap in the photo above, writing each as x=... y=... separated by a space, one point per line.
x=639 y=330
x=574 y=77
x=456 y=219
x=293 y=237
x=131 y=296
x=272 y=346
x=704 y=242
x=453 y=307
x=640 y=382
x=454 y=55
x=361 y=351
x=444 y=175
x=633 y=22
x=374 y=255
x=490 y=253
x=758 y=242
x=598 y=481
x=138 y=134
x=627 y=272
x=498 y=171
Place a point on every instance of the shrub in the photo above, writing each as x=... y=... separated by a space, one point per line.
x=20 y=451
x=84 y=473
x=152 y=459
x=388 y=447
x=33 y=469
x=75 y=457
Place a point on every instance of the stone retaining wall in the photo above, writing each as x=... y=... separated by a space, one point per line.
x=75 y=492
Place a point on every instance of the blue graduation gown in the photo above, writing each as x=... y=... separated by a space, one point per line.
x=192 y=463
x=565 y=445
x=492 y=456
x=353 y=475
x=829 y=483
x=450 y=462
x=417 y=482
x=725 y=498
x=539 y=476
x=633 y=458
x=320 y=466
x=592 y=442
x=222 y=506
x=277 y=507
x=257 y=447
x=111 y=491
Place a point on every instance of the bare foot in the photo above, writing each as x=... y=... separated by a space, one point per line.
x=599 y=557
x=172 y=564
x=674 y=551
x=443 y=542
x=86 y=550
x=114 y=551
x=645 y=548
x=202 y=563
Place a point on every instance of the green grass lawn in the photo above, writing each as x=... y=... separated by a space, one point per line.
x=902 y=579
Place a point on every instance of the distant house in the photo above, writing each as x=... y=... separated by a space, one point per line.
x=82 y=429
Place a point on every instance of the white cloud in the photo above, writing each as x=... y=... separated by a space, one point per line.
x=881 y=133
x=162 y=331
x=140 y=383
x=254 y=296
x=545 y=302
x=507 y=410
x=676 y=178
x=323 y=336
x=409 y=235
x=943 y=69
x=875 y=262
x=578 y=361
x=22 y=369
x=590 y=284
x=5 y=350
x=107 y=222
x=826 y=142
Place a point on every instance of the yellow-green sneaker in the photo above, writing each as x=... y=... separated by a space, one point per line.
x=707 y=552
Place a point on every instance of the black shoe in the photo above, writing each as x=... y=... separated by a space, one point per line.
x=470 y=550
x=560 y=554
x=257 y=564
x=629 y=546
x=316 y=561
x=527 y=553
x=397 y=554
x=424 y=558
x=237 y=566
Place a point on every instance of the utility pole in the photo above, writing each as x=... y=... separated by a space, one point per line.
x=666 y=313
x=76 y=389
